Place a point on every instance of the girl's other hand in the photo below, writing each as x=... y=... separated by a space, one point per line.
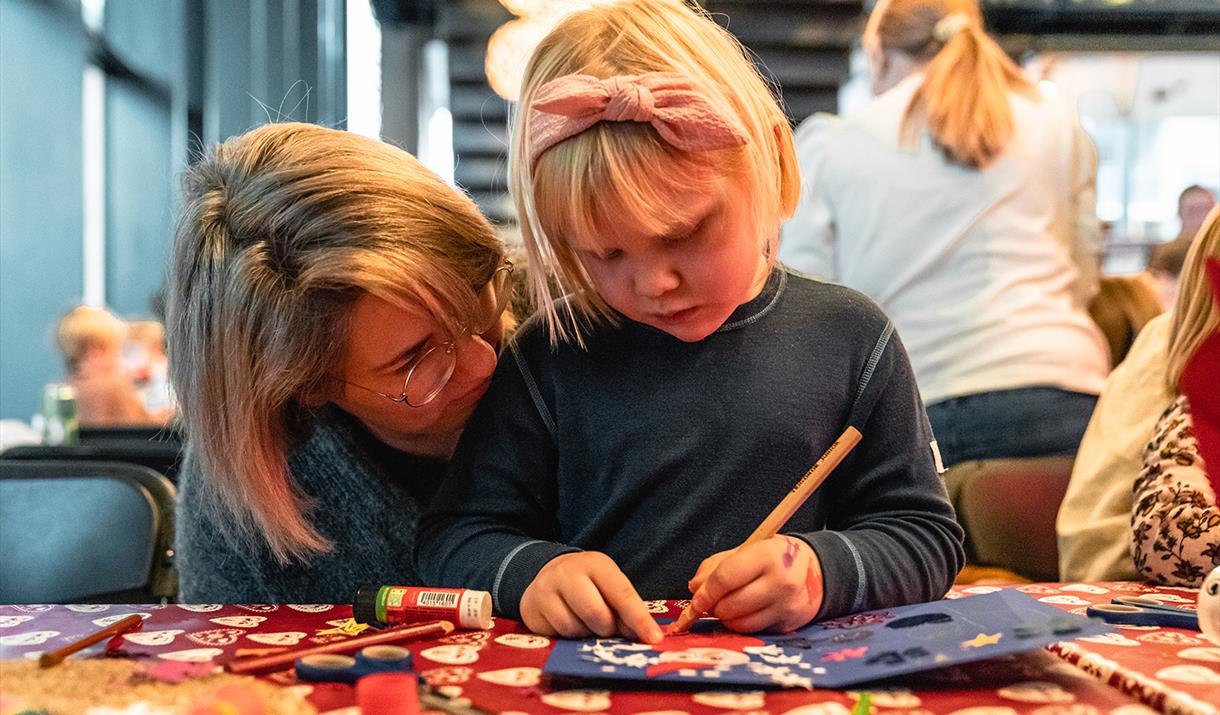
x=773 y=585
x=584 y=594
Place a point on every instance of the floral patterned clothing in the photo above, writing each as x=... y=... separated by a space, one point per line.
x=1175 y=517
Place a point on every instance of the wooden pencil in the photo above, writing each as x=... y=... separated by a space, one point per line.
x=131 y=623
x=783 y=511
x=393 y=635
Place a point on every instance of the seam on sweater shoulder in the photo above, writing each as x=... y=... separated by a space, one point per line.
x=857 y=601
x=495 y=587
x=873 y=359
x=535 y=393
x=779 y=292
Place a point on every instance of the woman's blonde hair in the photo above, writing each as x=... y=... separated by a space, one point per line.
x=963 y=101
x=618 y=171
x=85 y=328
x=281 y=230
x=1195 y=315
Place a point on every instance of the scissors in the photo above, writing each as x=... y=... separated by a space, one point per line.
x=1144 y=611
x=331 y=668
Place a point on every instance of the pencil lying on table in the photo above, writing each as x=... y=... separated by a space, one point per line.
x=783 y=511
x=393 y=635
x=131 y=623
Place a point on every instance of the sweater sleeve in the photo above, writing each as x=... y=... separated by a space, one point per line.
x=492 y=524
x=807 y=240
x=892 y=537
x=1174 y=511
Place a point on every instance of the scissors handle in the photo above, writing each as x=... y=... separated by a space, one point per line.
x=1123 y=614
x=1152 y=603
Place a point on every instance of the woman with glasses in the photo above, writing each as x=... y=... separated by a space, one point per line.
x=335 y=313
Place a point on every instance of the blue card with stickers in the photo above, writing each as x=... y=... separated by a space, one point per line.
x=832 y=654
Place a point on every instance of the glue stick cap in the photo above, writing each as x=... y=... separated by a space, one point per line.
x=474 y=610
x=388 y=694
x=364 y=605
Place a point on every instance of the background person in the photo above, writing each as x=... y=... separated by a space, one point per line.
x=91 y=341
x=962 y=201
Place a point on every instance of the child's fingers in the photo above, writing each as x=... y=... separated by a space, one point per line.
x=707 y=567
x=732 y=573
x=621 y=596
x=564 y=620
x=589 y=606
x=750 y=598
x=768 y=618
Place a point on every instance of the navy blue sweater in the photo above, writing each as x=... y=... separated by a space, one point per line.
x=660 y=453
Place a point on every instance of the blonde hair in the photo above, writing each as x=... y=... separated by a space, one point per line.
x=963 y=101
x=1195 y=315
x=84 y=328
x=281 y=230
x=623 y=170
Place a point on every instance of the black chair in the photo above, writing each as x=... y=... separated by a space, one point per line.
x=160 y=455
x=85 y=532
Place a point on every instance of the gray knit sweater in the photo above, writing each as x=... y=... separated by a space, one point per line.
x=367 y=496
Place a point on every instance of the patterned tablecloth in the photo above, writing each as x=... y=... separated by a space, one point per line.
x=500 y=670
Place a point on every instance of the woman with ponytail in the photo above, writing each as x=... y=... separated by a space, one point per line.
x=962 y=201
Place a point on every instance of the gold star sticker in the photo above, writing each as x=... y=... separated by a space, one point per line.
x=981 y=640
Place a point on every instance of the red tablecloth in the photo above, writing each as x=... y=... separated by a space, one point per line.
x=500 y=670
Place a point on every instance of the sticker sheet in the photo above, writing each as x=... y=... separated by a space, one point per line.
x=833 y=654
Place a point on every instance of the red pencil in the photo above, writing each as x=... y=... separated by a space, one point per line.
x=393 y=635
x=131 y=623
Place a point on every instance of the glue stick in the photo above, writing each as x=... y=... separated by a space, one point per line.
x=392 y=605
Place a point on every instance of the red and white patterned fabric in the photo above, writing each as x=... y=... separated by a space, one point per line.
x=500 y=670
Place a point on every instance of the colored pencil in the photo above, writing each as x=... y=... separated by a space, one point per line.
x=783 y=511
x=131 y=623
x=393 y=635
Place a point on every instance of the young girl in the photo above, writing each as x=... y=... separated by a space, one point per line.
x=333 y=316
x=657 y=413
x=1175 y=513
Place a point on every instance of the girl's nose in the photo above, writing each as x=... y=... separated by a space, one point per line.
x=654 y=281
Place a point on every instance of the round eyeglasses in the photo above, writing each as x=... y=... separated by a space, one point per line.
x=429 y=371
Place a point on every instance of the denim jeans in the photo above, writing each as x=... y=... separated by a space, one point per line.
x=1026 y=422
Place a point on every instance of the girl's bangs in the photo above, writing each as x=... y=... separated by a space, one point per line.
x=620 y=173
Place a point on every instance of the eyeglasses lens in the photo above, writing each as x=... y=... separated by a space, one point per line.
x=430 y=375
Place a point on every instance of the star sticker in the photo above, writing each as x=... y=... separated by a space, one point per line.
x=981 y=640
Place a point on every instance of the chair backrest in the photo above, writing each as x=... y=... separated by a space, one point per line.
x=163 y=457
x=75 y=532
x=1008 y=508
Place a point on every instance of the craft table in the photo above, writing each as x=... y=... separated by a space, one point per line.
x=500 y=670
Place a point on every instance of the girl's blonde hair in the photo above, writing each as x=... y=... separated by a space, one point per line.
x=1195 y=315
x=623 y=171
x=281 y=230
x=963 y=101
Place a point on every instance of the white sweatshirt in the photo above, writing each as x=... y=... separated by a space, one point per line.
x=985 y=273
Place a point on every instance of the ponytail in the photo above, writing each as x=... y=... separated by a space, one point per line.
x=963 y=101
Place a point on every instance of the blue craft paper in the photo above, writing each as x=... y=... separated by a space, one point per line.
x=856 y=649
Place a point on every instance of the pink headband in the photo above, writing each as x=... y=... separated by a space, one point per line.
x=684 y=118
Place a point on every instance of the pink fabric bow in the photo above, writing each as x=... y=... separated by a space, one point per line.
x=684 y=118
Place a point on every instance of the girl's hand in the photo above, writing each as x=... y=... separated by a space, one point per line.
x=773 y=585
x=582 y=594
